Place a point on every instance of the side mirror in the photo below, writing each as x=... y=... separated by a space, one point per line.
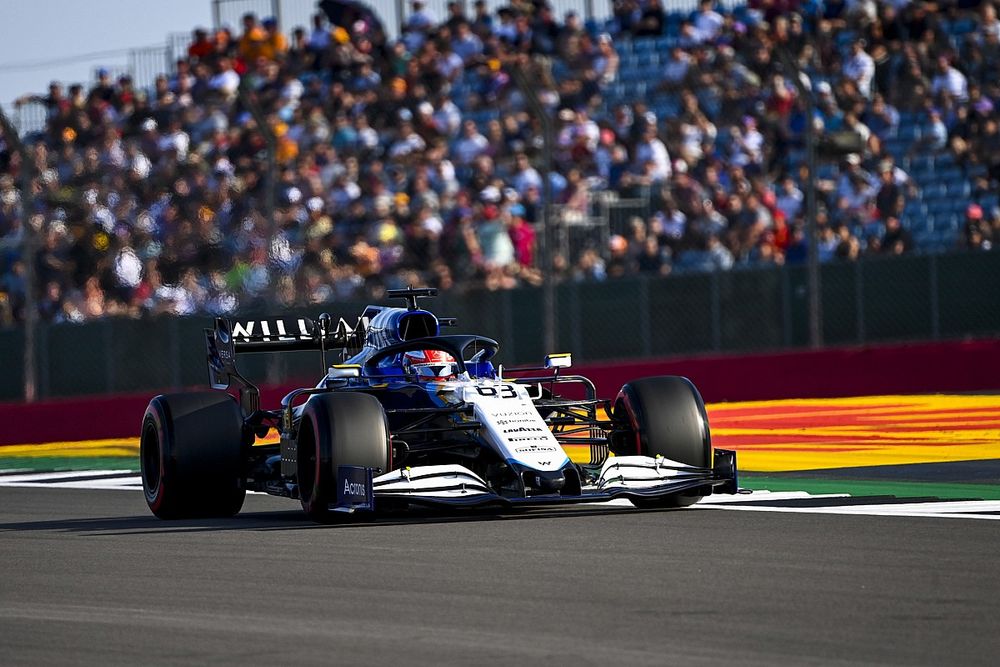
x=343 y=371
x=561 y=360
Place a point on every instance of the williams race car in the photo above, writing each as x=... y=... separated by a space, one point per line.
x=412 y=418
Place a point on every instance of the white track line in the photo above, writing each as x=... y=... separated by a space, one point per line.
x=942 y=510
x=9 y=480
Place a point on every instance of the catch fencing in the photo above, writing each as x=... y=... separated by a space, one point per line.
x=394 y=13
x=890 y=299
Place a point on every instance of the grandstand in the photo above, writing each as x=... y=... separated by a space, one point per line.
x=679 y=146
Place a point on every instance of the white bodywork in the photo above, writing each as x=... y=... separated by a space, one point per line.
x=512 y=426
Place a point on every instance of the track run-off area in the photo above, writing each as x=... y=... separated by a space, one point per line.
x=867 y=537
x=873 y=454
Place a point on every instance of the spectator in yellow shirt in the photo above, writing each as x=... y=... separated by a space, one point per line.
x=253 y=41
x=275 y=44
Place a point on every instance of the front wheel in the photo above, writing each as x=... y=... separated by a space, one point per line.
x=664 y=416
x=337 y=429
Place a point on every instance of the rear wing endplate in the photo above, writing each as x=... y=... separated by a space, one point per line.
x=273 y=334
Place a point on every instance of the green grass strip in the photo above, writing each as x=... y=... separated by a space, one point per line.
x=871 y=488
x=62 y=463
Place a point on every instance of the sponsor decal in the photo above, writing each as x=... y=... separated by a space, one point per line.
x=354 y=488
x=530 y=449
x=506 y=391
x=525 y=429
x=245 y=330
x=507 y=422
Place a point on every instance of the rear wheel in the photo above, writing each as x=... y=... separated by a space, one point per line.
x=191 y=455
x=338 y=429
x=666 y=416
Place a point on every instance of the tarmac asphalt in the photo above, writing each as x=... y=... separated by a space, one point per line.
x=90 y=577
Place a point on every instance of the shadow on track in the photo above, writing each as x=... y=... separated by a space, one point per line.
x=294 y=520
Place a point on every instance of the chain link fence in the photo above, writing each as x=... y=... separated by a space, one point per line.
x=394 y=13
x=881 y=300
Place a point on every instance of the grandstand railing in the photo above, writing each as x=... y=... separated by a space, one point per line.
x=291 y=13
x=886 y=299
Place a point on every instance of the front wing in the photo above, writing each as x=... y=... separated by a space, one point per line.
x=619 y=477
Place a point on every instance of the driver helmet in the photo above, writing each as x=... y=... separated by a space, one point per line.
x=430 y=363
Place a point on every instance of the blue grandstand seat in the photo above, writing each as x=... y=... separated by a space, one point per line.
x=935 y=192
x=874 y=229
x=946 y=222
x=909 y=132
x=897 y=146
x=635 y=89
x=665 y=43
x=950 y=174
x=628 y=74
x=667 y=109
x=940 y=207
x=962 y=26
x=944 y=160
x=826 y=171
x=651 y=73
x=989 y=202
x=644 y=45
x=915 y=209
x=844 y=38
x=922 y=163
x=976 y=170
x=959 y=189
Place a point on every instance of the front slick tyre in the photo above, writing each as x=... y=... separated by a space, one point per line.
x=667 y=417
x=191 y=455
x=338 y=429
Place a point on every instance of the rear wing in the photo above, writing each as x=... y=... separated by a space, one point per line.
x=273 y=334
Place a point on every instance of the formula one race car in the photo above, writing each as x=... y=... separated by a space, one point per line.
x=412 y=418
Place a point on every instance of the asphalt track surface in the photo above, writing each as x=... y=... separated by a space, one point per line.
x=91 y=578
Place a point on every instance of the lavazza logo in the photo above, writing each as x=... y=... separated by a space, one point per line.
x=525 y=429
x=354 y=488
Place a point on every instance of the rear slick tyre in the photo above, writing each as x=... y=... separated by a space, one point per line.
x=667 y=417
x=191 y=455
x=337 y=429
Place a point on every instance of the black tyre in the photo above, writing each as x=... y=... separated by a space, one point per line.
x=665 y=415
x=338 y=429
x=191 y=455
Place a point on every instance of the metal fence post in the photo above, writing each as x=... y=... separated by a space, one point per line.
x=935 y=299
x=173 y=337
x=247 y=97
x=645 y=330
x=28 y=245
x=216 y=14
x=546 y=244
x=108 y=338
x=507 y=311
x=786 y=306
x=859 y=295
x=576 y=331
x=716 y=298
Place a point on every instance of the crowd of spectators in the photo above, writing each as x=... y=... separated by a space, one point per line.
x=418 y=161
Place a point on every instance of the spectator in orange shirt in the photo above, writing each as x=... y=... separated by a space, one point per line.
x=253 y=41
x=276 y=44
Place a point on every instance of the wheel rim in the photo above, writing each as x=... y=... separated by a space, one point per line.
x=307 y=462
x=150 y=459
